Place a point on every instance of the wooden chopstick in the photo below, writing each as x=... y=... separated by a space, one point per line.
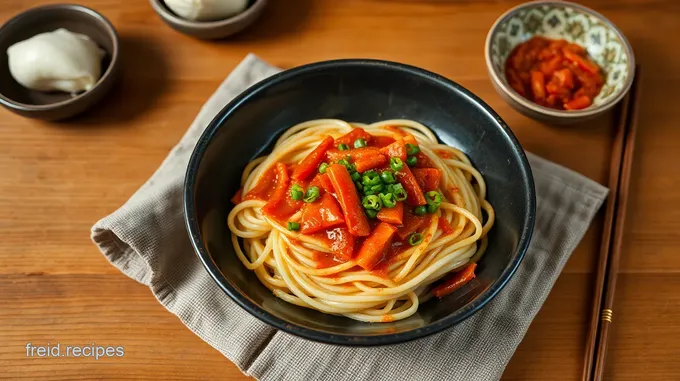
x=610 y=250
x=614 y=173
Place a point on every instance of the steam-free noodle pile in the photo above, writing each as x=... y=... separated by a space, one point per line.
x=330 y=270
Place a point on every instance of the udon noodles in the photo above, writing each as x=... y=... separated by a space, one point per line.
x=372 y=250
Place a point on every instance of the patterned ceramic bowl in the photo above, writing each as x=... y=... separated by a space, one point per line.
x=605 y=44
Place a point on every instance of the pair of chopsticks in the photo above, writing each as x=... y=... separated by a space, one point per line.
x=612 y=236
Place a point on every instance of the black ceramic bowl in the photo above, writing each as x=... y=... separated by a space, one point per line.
x=358 y=91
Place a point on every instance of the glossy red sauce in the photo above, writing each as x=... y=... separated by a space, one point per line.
x=326 y=260
x=398 y=132
x=397 y=247
x=423 y=161
x=382 y=141
x=238 y=197
x=444 y=154
x=264 y=189
x=339 y=240
x=445 y=226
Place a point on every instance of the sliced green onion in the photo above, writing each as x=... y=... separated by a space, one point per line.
x=411 y=161
x=369 y=192
x=434 y=199
x=347 y=164
x=323 y=167
x=388 y=200
x=415 y=239
x=359 y=143
x=293 y=225
x=356 y=176
x=378 y=188
x=412 y=149
x=396 y=164
x=296 y=192
x=371 y=178
x=420 y=210
x=359 y=186
x=399 y=192
x=343 y=147
x=370 y=213
x=312 y=194
x=372 y=202
x=388 y=177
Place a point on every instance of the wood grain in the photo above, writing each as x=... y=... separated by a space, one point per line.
x=56 y=180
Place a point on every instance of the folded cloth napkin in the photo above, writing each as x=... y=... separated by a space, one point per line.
x=146 y=239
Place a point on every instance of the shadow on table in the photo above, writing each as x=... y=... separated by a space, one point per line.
x=278 y=19
x=142 y=78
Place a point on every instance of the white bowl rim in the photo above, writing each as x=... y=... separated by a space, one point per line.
x=549 y=111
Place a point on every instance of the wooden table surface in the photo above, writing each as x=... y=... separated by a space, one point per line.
x=56 y=180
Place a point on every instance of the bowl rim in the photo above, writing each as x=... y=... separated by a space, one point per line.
x=88 y=12
x=545 y=110
x=165 y=12
x=192 y=223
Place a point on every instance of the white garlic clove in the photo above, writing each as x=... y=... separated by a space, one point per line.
x=206 y=10
x=56 y=61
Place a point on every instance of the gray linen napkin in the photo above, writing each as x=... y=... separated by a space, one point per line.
x=146 y=239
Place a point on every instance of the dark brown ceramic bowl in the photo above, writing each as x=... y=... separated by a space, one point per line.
x=365 y=91
x=210 y=30
x=56 y=105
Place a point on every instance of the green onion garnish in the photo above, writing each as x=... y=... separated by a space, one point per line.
x=396 y=164
x=296 y=192
x=420 y=210
x=312 y=194
x=415 y=239
x=434 y=199
x=347 y=164
x=323 y=167
x=355 y=176
x=371 y=178
x=370 y=213
x=411 y=161
x=388 y=177
x=343 y=147
x=388 y=200
x=293 y=225
x=399 y=192
x=359 y=143
x=412 y=149
x=377 y=188
x=372 y=202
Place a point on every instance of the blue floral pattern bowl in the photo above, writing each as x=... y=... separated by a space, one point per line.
x=575 y=23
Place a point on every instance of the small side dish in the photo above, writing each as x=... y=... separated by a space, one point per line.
x=583 y=30
x=56 y=61
x=554 y=73
x=206 y=10
x=209 y=19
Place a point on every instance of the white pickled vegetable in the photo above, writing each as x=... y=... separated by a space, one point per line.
x=206 y=10
x=59 y=60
